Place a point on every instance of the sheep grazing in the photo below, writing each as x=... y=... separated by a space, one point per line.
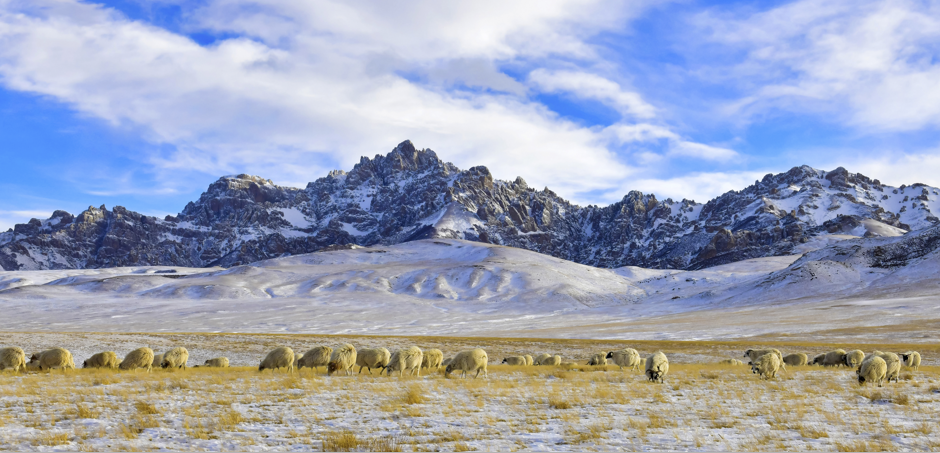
x=406 y=359
x=316 y=357
x=175 y=358
x=853 y=359
x=157 y=361
x=138 y=358
x=597 y=360
x=873 y=369
x=432 y=359
x=529 y=361
x=766 y=366
x=515 y=361
x=628 y=357
x=218 y=362
x=796 y=359
x=447 y=362
x=731 y=362
x=342 y=359
x=911 y=359
x=372 y=358
x=755 y=354
x=831 y=358
x=52 y=359
x=554 y=360
x=107 y=359
x=818 y=360
x=539 y=358
x=12 y=358
x=893 y=362
x=468 y=362
x=657 y=365
x=281 y=357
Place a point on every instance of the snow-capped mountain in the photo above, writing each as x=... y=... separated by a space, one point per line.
x=411 y=194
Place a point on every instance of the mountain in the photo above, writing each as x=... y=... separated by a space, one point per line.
x=411 y=194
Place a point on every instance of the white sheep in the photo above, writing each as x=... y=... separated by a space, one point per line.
x=315 y=357
x=627 y=357
x=432 y=359
x=853 y=359
x=12 y=358
x=554 y=360
x=818 y=360
x=280 y=357
x=342 y=359
x=873 y=369
x=911 y=359
x=529 y=361
x=831 y=358
x=539 y=358
x=218 y=362
x=138 y=358
x=766 y=366
x=657 y=365
x=405 y=359
x=372 y=358
x=754 y=354
x=54 y=358
x=107 y=359
x=468 y=362
x=796 y=359
x=597 y=360
x=175 y=358
x=893 y=362
x=735 y=362
x=515 y=360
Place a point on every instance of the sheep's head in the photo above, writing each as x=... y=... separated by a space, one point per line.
x=261 y=366
x=332 y=367
x=861 y=379
x=85 y=364
x=748 y=353
x=610 y=355
x=506 y=360
x=904 y=357
x=449 y=369
x=165 y=363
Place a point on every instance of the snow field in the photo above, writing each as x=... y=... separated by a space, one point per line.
x=700 y=407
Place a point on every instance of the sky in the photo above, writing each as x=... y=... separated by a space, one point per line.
x=144 y=103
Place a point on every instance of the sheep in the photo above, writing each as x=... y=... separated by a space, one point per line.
x=818 y=360
x=529 y=360
x=372 y=358
x=911 y=359
x=657 y=365
x=432 y=359
x=316 y=357
x=138 y=358
x=873 y=369
x=175 y=358
x=628 y=357
x=447 y=361
x=218 y=362
x=107 y=359
x=157 y=360
x=597 y=360
x=755 y=354
x=731 y=362
x=342 y=359
x=766 y=366
x=280 y=357
x=53 y=358
x=468 y=362
x=13 y=358
x=796 y=359
x=831 y=358
x=539 y=358
x=893 y=362
x=515 y=361
x=405 y=359
x=853 y=359
x=554 y=360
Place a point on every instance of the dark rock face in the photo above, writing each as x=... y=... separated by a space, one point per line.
x=410 y=194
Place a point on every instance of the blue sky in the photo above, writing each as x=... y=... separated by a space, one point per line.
x=144 y=103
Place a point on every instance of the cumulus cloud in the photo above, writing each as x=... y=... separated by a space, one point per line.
x=592 y=86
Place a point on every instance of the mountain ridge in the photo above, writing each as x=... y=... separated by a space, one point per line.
x=411 y=194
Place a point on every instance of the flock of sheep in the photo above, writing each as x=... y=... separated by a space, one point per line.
x=876 y=367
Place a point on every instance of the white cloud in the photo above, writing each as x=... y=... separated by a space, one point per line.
x=701 y=151
x=592 y=86
x=872 y=63
x=10 y=218
x=896 y=168
x=699 y=186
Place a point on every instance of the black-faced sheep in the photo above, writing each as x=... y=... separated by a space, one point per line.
x=657 y=365
x=911 y=359
x=12 y=359
x=316 y=357
x=627 y=357
x=218 y=362
x=175 y=358
x=853 y=359
x=372 y=358
x=281 y=357
x=405 y=359
x=468 y=362
x=766 y=366
x=342 y=359
x=796 y=359
x=515 y=361
x=138 y=358
x=432 y=359
x=873 y=369
x=818 y=360
x=52 y=359
x=107 y=359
